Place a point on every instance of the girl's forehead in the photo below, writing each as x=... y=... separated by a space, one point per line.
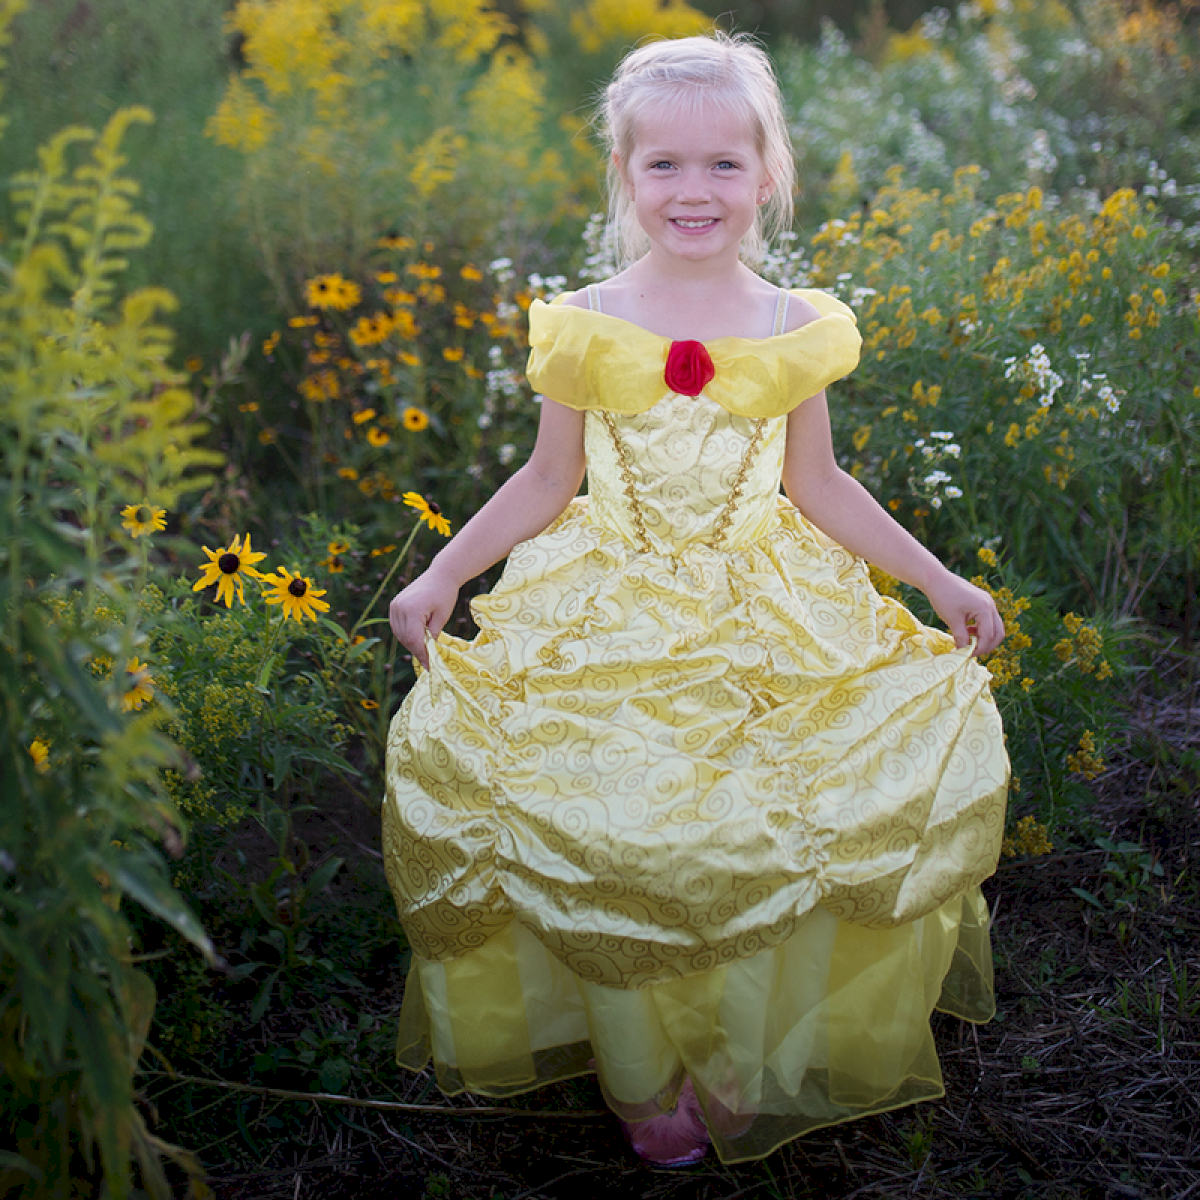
x=693 y=118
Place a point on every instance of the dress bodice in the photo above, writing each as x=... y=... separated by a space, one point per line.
x=668 y=471
x=682 y=473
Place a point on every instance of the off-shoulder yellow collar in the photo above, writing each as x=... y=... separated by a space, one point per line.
x=590 y=360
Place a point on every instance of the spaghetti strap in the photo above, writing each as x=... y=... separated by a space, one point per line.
x=593 y=295
x=781 y=310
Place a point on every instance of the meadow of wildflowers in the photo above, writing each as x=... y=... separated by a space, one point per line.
x=197 y=560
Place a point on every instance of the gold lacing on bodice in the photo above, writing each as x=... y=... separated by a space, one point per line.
x=635 y=509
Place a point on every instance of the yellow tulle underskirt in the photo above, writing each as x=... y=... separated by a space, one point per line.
x=831 y=1025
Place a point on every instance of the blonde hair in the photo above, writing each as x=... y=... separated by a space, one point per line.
x=681 y=74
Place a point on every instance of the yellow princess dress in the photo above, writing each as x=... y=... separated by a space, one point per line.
x=696 y=798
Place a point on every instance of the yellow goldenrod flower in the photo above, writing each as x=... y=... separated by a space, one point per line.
x=348 y=473
x=362 y=417
x=227 y=568
x=143 y=519
x=39 y=751
x=453 y=354
x=332 y=291
x=987 y=556
x=414 y=419
x=1085 y=761
x=1029 y=837
x=471 y=274
x=428 y=512
x=296 y=593
x=139 y=686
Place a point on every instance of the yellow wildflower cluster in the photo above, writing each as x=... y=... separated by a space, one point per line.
x=1005 y=663
x=1083 y=647
x=1029 y=838
x=1085 y=761
x=885 y=584
x=597 y=24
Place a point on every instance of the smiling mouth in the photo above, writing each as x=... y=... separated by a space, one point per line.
x=695 y=223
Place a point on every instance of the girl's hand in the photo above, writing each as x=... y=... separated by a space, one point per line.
x=968 y=611
x=422 y=608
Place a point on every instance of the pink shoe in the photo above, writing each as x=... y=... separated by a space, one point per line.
x=674 y=1139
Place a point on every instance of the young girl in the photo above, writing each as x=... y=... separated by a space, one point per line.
x=698 y=809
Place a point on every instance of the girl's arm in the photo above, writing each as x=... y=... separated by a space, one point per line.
x=521 y=508
x=842 y=508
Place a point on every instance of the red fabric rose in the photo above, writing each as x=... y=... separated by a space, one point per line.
x=689 y=368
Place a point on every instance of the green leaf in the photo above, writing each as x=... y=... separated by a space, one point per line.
x=335 y=1074
x=334 y=628
x=321 y=877
x=107 y=1083
x=1089 y=898
x=141 y=880
x=263 y=1000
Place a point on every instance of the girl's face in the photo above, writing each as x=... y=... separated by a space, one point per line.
x=696 y=180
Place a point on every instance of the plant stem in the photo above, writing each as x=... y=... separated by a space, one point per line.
x=386 y=579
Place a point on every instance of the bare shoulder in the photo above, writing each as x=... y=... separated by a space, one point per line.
x=576 y=299
x=800 y=313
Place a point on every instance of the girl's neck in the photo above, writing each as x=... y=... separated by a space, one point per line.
x=692 y=300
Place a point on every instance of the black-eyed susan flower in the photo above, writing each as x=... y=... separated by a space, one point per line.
x=369 y=705
x=428 y=512
x=363 y=416
x=414 y=419
x=139 y=686
x=347 y=473
x=39 y=751
x=228 y=568
x=452 y=354
x=370 y=331
x=296 y=593
x=143 y=519
x=332 y=291
x=377 y=436
x=193 y=365
x=335 y=564
x=338 y=546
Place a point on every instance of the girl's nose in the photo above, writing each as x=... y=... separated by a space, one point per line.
x=693 y=186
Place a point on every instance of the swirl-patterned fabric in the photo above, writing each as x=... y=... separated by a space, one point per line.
x=689 y=740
